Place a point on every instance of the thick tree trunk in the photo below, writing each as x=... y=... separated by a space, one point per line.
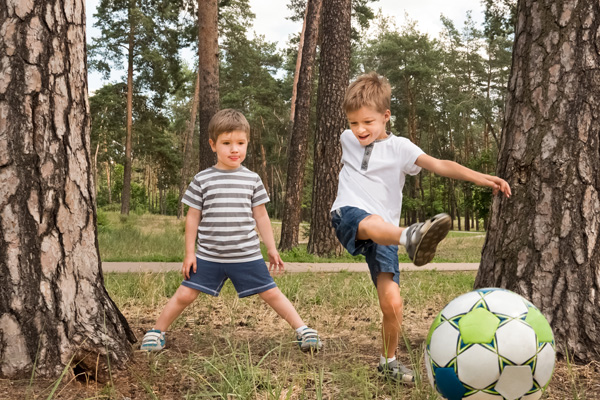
x=187 y=146
x=543 y=241
x=208 y=53
x=126 y=192
x=298 y=151
x=54 y=309
x=334 y=74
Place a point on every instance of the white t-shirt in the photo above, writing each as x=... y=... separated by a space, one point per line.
x=372 y=177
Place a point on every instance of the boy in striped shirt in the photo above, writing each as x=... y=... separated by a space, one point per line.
x=227 y=201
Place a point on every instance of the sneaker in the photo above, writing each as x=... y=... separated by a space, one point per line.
x=154 y=340
x=422 y=238
x=309 y=340
x=397 y=372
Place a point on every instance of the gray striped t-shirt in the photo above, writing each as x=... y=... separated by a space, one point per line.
x=226 y=232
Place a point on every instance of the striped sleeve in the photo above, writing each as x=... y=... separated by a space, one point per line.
x=260 y=195
x=193 y=194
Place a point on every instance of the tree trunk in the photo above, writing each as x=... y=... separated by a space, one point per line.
x=108 y=181
x=187 y=147
x=54 y=309
x=334 y=71
x=297 y=151
x=126 y=192
x=297 y=73
x=543 y=241
x=208 y=69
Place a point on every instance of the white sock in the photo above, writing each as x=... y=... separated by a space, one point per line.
x=403 y=237
x=383 y=360
x=299 y=330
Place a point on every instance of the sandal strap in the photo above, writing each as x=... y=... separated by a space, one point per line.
x=152 y=337
x=309 y=333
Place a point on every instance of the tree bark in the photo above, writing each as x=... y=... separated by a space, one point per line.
x=187 y=146
x=126 y=192
x=297 y=151
x=208 y=54
x=334 y=74
x=54 y=309
x=543 y=241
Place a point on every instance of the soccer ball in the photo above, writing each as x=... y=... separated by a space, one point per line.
x=490 y=344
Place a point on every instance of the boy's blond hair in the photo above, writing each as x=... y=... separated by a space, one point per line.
x=227 y=120
x=370 y=90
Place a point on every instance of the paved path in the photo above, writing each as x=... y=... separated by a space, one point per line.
x=289 y=267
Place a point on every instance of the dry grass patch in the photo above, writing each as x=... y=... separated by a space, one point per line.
x=226 y=348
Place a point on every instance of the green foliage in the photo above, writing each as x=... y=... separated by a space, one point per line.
x=447 y=96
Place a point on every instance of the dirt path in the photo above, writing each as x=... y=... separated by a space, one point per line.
x=289 y=267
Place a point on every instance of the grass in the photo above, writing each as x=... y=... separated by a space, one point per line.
x=230 y=348
x=156 y=238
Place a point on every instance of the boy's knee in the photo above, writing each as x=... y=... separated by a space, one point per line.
x=270 y=294
x=391 y=306
x=370 y=221
x=185 y=295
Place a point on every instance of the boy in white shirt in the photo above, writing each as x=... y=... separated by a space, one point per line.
x=366 y=212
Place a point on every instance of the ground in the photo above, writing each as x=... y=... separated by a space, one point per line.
x=229 y=348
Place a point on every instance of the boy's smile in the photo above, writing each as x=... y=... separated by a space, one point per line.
x=368 y=124
x=231 y=149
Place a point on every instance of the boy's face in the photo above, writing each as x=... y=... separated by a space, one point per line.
x=368 y=124
x=230 y=148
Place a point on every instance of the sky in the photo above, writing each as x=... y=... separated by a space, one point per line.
x=271 y=20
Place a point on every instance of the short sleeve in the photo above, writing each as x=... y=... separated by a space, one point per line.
x=410 y=153
x=260 y=195
x=193 y=195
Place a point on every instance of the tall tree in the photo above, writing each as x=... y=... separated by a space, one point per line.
x=543 y=241
x=144 y=32
x=298 y=151
x=334 y=73
x=54 y=309
x=188 y=140
x=208 y=69
x=108 y=112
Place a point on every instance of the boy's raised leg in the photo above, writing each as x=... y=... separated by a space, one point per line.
x=421 y=241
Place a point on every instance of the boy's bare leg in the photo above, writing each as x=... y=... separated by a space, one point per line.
x=282 y=306
x=390 y=302
x=182 y=298
x=375 y=228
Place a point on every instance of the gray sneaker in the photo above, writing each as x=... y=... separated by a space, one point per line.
x=309 y=340
x=397 y=372
x=422 y=238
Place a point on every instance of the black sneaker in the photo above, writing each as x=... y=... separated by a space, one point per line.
x=422 y=238
x=397 y=372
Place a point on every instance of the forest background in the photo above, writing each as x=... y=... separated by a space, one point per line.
x=447 y=97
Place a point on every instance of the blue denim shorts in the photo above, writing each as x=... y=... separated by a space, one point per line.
x=248 y=278
x=380 y=258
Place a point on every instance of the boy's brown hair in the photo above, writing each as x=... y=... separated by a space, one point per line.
x=371 y=90
x=227 y=120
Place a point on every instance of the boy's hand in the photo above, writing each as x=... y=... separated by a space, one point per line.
x=188 y=262
x=497 y=185
x=275 y=263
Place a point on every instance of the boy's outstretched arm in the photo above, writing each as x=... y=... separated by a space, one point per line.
x=263 y=223
x=451 y=169
x=192 y=220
